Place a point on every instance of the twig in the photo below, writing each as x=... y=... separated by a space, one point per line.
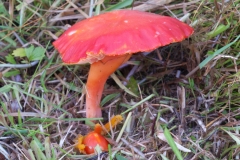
x=151 y=4
x=91 y=8
x=133 y=148
x=192 y=72
x=19 y=65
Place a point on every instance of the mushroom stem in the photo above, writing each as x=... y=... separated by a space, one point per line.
x=98 y=74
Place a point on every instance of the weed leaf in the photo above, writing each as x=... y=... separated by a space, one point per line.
x=20 y=52
x=10 y=59
x=34 y=54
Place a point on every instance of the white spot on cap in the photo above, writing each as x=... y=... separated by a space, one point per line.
x=72 y=32
x=164 y=22
x=125 y=21
x=156 y=34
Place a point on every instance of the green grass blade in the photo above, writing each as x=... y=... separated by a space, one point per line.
x=108 y=98
x=137 y=104
x=115 y=78
x=38 y=152
x=5 y=88
x=30 y=152
x=235 y=138
x=210 y=57
x=164 y=157
x=120 y=5
x=221 y=28
x=119 y=157
x=172 y=144
x=8 y=39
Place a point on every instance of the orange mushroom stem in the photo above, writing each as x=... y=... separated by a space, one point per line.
x=98 y=74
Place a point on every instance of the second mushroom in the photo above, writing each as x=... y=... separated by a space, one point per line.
x=108 y=40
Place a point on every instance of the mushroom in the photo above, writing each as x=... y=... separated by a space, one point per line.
x=108 y=40
x=86 y=144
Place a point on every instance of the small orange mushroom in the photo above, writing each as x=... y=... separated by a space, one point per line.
x=86 y=144
x=90 y=141
x=108 y=40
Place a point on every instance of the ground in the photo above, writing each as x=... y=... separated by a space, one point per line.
x=187 y=92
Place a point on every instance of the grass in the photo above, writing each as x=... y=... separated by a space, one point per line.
x=193 y=116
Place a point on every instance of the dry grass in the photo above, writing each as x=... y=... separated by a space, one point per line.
x=42 y=106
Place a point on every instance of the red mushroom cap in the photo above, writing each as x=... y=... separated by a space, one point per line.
x=116 y=33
